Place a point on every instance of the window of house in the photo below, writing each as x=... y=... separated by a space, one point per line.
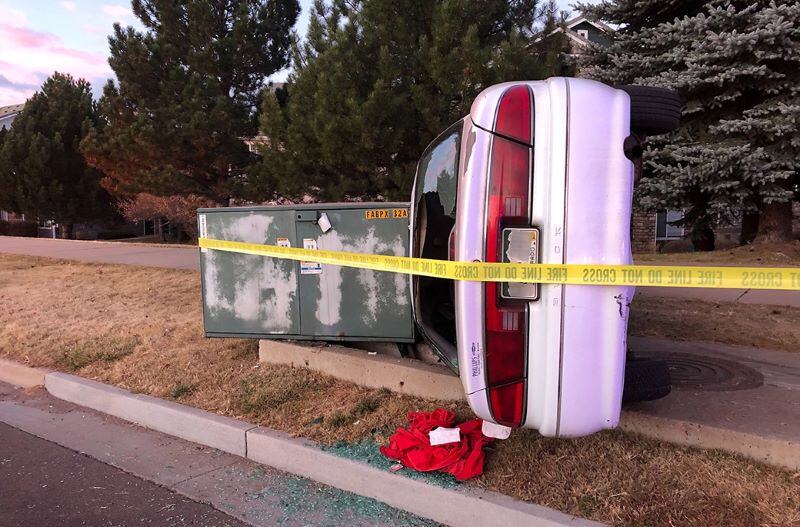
x=665 y=230
x=584 y=33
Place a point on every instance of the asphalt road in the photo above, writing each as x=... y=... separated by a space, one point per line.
x=42 y=483
x=188 y=258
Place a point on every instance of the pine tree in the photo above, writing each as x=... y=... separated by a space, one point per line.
x=44 y=174
x=736 y=65
x=187 y=92
x=376 y=80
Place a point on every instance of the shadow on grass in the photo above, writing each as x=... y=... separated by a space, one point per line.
x=103 y=349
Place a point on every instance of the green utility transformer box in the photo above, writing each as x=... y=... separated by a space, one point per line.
x=260 y=297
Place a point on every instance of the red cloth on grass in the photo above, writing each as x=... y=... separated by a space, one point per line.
x=412 y=447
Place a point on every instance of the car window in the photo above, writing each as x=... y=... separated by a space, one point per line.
x=434 y=219
x=438 y=170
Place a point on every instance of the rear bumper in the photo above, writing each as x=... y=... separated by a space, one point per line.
x=581 y=202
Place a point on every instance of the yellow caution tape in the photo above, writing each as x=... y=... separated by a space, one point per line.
x=781 y=278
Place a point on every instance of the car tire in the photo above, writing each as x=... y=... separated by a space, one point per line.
x=654 y=111
x=645 y=379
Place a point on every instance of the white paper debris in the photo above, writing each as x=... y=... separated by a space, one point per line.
x=495 y=430
x=324 y=222
x=443 y=436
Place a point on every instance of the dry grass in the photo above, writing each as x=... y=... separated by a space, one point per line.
x=625 y=479
x=154 y=241
x=772 y=327
x=104 y=349
x=141 y=329
x=766 y=254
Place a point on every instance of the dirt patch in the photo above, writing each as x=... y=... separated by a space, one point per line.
x=152 y=318
x=764 y=254
x=771 y=327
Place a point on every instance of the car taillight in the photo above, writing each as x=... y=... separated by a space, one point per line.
x=514 y=114
x=508 y=193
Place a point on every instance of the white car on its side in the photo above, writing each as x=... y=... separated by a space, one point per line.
x=538 y=171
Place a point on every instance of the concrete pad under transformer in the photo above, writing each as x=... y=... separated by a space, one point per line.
x=406 y=376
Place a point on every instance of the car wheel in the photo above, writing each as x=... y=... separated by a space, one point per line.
x=654 y=111
x=645 y=379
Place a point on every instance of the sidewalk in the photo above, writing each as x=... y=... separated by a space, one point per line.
x=733 y=388
x=104 y=252
x=188 y=258
x=149 y=477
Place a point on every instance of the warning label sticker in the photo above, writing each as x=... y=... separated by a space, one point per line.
x=202 y=229
x=310 y=267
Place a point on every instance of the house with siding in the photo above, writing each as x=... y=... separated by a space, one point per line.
x=7 y=116
x=8 y=113
x=583 y=32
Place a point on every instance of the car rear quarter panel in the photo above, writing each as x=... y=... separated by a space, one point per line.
x=469 y=247
x=599 y=187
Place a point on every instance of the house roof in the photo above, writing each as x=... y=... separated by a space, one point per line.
x=572 y=22
x=14 y=109
x=583 y=41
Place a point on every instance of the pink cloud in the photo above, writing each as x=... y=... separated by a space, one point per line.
x=85 y=56
x=13 y=16
x=93 y=30
x=27 y=38
x=10 y=96
x=21 y=74
x=28 y=57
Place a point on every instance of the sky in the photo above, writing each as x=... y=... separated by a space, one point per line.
x=38 y=37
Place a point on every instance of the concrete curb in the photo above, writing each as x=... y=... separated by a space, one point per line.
x=188 y=423
x=467 y=507
x=776 y=452
x=21 y=375
x=407 y=376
